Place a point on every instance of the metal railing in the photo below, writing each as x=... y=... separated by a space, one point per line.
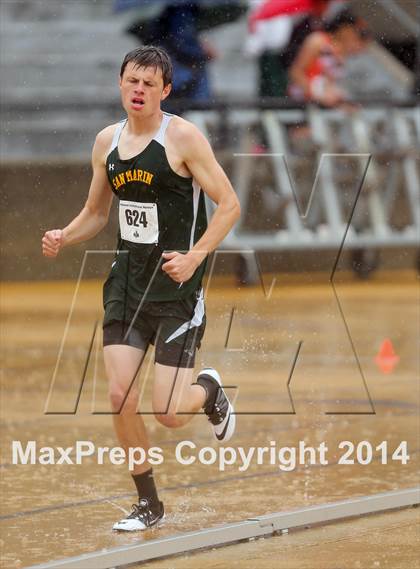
x=366 y=188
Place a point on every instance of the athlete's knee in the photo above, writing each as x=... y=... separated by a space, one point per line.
x=170 y=419
x=121 y=401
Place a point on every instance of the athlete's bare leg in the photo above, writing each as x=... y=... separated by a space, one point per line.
x=121 y=365
x=173 y=393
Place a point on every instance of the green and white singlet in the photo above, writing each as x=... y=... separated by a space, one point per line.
x=159 y=210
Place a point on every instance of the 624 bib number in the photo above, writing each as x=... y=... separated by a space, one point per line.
x=136 y=218
x=139 y=222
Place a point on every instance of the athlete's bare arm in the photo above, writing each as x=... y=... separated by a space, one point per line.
x=198 y=157
x=95 y=213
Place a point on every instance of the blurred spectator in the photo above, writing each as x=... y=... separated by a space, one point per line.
x=277 y=31
x=316 y=72
x=176 y=30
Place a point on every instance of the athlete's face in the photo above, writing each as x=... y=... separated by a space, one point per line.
x=142 y=89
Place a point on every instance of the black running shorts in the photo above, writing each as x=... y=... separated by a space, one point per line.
x=175 y=328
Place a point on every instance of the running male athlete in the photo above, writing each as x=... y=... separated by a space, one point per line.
x=158 y=166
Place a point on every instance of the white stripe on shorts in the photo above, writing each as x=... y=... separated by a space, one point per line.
x=195 y=321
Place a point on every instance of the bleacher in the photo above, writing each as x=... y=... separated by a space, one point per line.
x=59 y=67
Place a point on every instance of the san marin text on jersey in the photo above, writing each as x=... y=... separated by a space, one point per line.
x=135 y=175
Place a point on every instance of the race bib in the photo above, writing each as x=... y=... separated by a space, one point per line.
x=139 y=222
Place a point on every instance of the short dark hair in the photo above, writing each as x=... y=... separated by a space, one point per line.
x=150 y=56
x=342 y=19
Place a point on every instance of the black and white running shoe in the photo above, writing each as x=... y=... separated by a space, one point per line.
x=142 y=517
x=218 y=409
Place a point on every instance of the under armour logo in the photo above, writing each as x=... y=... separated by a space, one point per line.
x=111 y=166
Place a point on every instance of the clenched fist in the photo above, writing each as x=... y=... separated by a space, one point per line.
x=179 y=266
x=52 y=242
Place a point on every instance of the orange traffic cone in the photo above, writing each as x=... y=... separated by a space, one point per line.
x=386 y=358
